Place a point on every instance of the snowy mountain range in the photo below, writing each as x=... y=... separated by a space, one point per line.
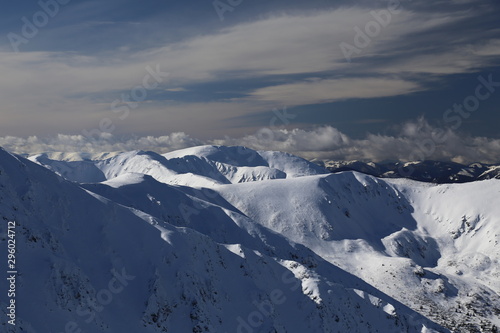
x=228 y=239
x=424 y=171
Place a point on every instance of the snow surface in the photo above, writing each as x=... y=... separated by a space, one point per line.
x=227 y=239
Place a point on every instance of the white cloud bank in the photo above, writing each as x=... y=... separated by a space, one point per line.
x=326 y=91
x=107 y=143
x=415 y=140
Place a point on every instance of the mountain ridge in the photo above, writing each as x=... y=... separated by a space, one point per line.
x=425 y=171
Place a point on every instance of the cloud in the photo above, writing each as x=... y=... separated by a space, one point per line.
x=318 y=141
x=414 y=140
x=291 y=44
x=180 y=89
x=106 y=143
x=464 y=58
x=326 y=91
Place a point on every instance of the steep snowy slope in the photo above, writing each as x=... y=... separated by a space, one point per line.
x=87 y=262
x=434 y=248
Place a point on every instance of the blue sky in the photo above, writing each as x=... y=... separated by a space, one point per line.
x=360 y=67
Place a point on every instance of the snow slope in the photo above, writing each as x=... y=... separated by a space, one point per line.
x=432 y=247
x=123 y=256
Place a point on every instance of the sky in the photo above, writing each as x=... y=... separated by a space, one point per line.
x=371 y=80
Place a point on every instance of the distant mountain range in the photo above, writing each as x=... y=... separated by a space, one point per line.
x=425 y=171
